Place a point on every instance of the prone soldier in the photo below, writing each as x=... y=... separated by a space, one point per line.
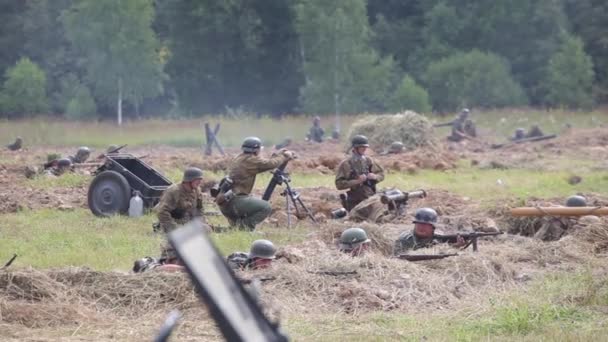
x=179 y=204
x=359 y=174
x=81 y=156
x=236 y=203
x=261 y=254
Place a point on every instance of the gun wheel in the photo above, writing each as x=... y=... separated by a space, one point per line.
x=109 y=194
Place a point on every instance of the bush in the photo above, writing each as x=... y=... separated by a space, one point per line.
x=409 y=95
x=570 y=74
x=82 y=105
x=24 y=91
x=474 y=79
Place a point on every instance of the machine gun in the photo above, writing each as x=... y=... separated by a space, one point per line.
x=237 y=315
x=397 y=199
x=470 y=238
x=422 y=257
x=292 y=197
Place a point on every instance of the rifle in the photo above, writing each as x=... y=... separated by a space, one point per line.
x=261 y=279
x=520 y=141
x=9 y=262
x=237 y=314
x=471 y=238
x=278 y=177
x=333 y=273
x=115 y=150
x=445 y=124
x=422 y=257
x=397 y=200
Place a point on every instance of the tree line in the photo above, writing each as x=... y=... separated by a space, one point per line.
x=95 y=59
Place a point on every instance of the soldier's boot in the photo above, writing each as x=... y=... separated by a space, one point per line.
x=251 y=211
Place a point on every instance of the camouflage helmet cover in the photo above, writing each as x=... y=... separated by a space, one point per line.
x=262 y=249
x=576 y=201
x=359 y=141
x=192 y=173
x=351 y=237
x=426 y=215
x=251 y=144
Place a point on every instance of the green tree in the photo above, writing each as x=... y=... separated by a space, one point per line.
x=119 y=47
x=569 y=77
x=11 y=32
x=409 y=95
x=46 y=45
x=589 y=19
x=343 y=73
x=82 y=105
x=24 y=91
x=474 y=79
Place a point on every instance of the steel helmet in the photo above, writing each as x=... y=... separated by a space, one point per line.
x=351 y=237
x=64 y=162
x=426 y=215
x=262 y=249
x=359 y=141
x=251 y=145
x=576 y=201
x=192 y=173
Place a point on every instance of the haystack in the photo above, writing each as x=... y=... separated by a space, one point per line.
x=412 y=129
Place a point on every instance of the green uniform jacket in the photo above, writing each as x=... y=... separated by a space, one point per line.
x=348 y=172
x=178 y=206
x=409 y=241
x=246 y=166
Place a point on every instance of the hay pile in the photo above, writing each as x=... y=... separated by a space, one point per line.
x=412 y=129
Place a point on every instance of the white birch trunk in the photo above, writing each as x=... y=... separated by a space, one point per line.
x=119 y=109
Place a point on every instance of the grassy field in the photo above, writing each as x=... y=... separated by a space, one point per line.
x=556 y=307
x=53 y=132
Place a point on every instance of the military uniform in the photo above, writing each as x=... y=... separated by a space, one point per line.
x=409 y=241
x=316 y=133
x=534 y=132
x=242 y=209
x=348 y=172
x=177 y=206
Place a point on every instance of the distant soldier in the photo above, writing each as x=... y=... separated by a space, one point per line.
x=81 y=156
x=237 y=204
x=462 y=127
x=111 y=149
x=421 y=236
x=16 y=145
x=261 y=254
x=520 y=133
x=576 y=201
x=179 y=204
x=359 y=174
x=396 y=147
x=316 y=132
x=354 y=241
x=534 y=132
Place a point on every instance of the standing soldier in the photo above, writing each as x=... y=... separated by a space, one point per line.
x=237 y=204
x=179 y=204
x=359 y=174
x=316 y=132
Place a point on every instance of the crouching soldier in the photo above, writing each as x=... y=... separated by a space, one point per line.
x=359 y=174
x=354 y=241
x=261 y=254
x=422 y=235
x=237 y=204
x=180 y=204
